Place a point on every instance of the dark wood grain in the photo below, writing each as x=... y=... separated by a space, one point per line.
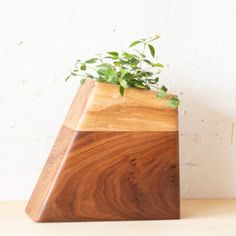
x=107 y=175
x=36 y=206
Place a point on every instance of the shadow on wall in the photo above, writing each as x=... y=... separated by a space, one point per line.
x=207 y=149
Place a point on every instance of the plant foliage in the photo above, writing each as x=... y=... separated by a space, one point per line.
x=134 y=68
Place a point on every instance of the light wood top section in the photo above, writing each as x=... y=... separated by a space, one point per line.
x=98 y=106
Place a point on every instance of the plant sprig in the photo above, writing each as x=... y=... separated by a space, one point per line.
x=129 y=69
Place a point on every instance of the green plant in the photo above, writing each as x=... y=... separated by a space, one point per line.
x=131 y=68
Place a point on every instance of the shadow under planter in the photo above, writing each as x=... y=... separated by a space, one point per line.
x=115 y=158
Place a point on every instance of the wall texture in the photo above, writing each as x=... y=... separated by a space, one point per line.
x=40 y=40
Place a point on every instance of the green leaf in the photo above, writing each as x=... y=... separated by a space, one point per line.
x=100 y=79
x=82 y=81
x=151 y=81
x=123 y=73
x=101 y=71
x=123 y=83
x=124 y=62
x=147 y=61
x=83 y=67
x=108 y=57
x=163 y=88
x=129 y=55
x=68 y=77
x=114 y=54
x=116 y=63
x=152 y=50
x=134 y=61
x=104 y=65
x=163 y=92
x=89 y=76
x=141 y=54
x=73 y=73
x=147 y=73
x=135 y=43
x=91 y=61
x=174 y=102
x=158 y=65
x=156 y=79
x=122 y=91
x=135 y=68
x=139 y=86
x=128 y=76
x=110 y=75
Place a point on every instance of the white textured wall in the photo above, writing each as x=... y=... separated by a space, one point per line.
x=39 y=41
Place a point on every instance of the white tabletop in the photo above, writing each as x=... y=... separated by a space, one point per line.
x=198 y=218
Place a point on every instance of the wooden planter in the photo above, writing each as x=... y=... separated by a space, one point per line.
x=115 y=158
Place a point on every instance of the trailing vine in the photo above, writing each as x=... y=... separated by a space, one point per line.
x=134 y=68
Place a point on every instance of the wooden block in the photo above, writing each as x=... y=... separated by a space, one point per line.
x=115 y=158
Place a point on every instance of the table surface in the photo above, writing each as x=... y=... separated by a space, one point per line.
x=198 y=217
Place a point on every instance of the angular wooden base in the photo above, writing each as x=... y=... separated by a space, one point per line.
x=125 y=167
x=109 y=176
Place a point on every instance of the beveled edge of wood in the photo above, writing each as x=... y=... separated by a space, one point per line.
x=37 y=204
x=80 y=105
x=98 y=106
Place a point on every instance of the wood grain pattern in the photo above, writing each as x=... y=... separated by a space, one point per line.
x=115 y=158
x=109 y=176
x=99 y=107
x=49 y=174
